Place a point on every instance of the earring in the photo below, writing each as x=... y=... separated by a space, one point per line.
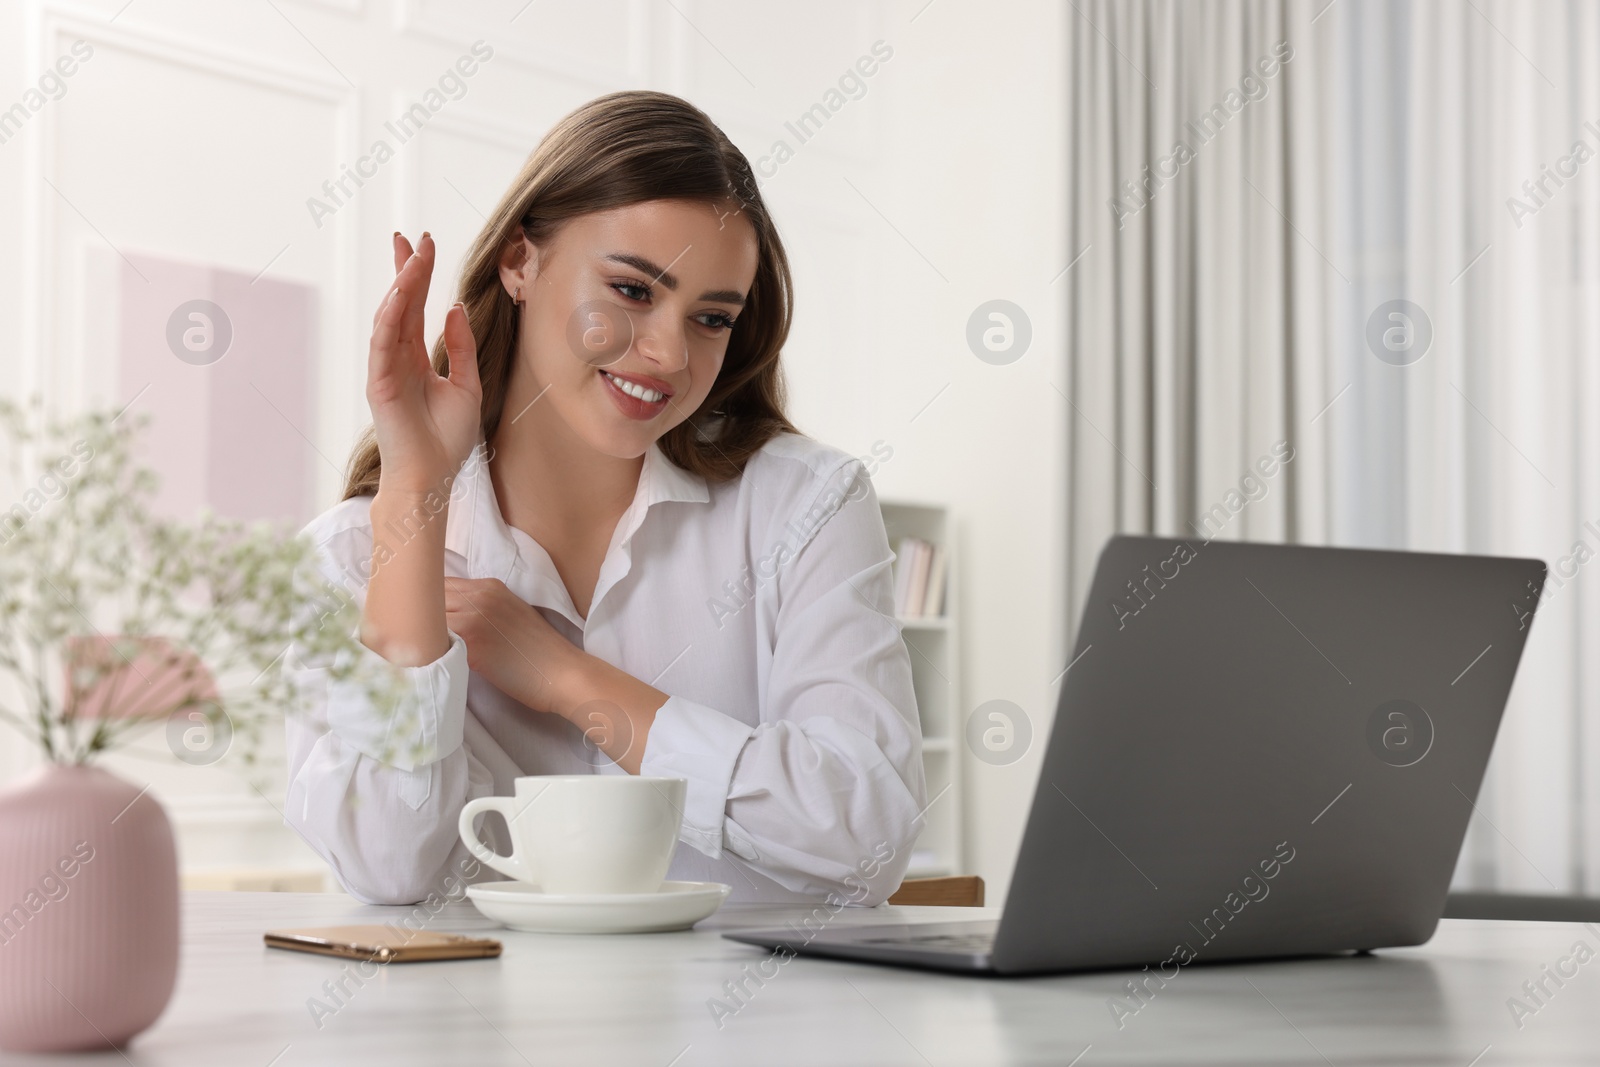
x=516 y=298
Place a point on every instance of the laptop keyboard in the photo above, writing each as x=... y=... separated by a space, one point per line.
x=941 y=942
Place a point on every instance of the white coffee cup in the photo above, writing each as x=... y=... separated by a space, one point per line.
x=584 y=833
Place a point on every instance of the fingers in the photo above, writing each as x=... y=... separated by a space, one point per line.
x=414 y=276
x=399 y=289
x=462 y=348
x=383 y=303
x=397 y=324
x=465 y=589
x=384 y=355
x=402 y=254
x=459 y=593
x=472 y=596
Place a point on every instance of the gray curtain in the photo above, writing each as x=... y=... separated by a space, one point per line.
x=1225 y=303
x=1197 y=332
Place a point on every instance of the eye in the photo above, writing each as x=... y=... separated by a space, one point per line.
x=640 y=292
x=717 y=320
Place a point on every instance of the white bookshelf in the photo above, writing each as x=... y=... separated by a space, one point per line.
x=934 y=644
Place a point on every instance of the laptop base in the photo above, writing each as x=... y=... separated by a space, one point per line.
x=964 y=947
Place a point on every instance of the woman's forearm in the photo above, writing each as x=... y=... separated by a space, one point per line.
x=614 y=709
x=404 y=620
x=423 y=423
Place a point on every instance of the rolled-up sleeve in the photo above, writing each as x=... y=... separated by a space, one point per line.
x=375 y=786
x=702 y=746
x=427 y=722
x=825 y=794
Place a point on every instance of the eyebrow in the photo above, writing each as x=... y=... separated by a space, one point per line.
x=666 y=278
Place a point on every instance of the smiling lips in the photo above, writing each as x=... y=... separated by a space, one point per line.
x=636 y=396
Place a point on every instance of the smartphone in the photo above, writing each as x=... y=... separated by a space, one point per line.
x=382 y=944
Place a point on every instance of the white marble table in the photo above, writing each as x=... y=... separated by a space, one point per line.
x=646 y=1000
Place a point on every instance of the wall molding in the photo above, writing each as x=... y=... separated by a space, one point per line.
x=222 y=809
x=859 y=149
x=357 y=8
x=477 y=126
x=411 y=19
x=60 y=22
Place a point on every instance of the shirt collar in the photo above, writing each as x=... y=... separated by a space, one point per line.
x=661 y=480
x=477 y=532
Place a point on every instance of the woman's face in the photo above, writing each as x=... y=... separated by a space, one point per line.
x=626 y=317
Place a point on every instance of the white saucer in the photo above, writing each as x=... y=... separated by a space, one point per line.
x=675 y=906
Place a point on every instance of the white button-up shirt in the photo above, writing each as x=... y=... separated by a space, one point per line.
x=763 y=606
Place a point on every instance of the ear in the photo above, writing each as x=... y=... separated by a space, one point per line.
x=519 y=266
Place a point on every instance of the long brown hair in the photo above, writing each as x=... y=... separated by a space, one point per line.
x=627 y=148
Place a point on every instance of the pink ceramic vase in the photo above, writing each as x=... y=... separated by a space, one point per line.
x=88 y=910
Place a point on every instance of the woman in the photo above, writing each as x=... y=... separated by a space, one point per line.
x=594 y=543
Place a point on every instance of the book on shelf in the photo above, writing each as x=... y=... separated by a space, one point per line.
x=921 y=553
x=902 y=573
x=919 y=578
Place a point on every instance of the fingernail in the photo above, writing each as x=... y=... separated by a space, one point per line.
x=424 y=233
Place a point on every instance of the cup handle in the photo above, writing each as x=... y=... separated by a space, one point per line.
x=515 y=865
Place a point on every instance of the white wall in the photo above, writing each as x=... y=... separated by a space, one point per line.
x=198 y=131
x=975 y=176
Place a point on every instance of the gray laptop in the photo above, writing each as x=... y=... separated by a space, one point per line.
x=1259 y=751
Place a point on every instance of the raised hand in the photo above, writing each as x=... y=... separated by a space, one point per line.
x=426 y=425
